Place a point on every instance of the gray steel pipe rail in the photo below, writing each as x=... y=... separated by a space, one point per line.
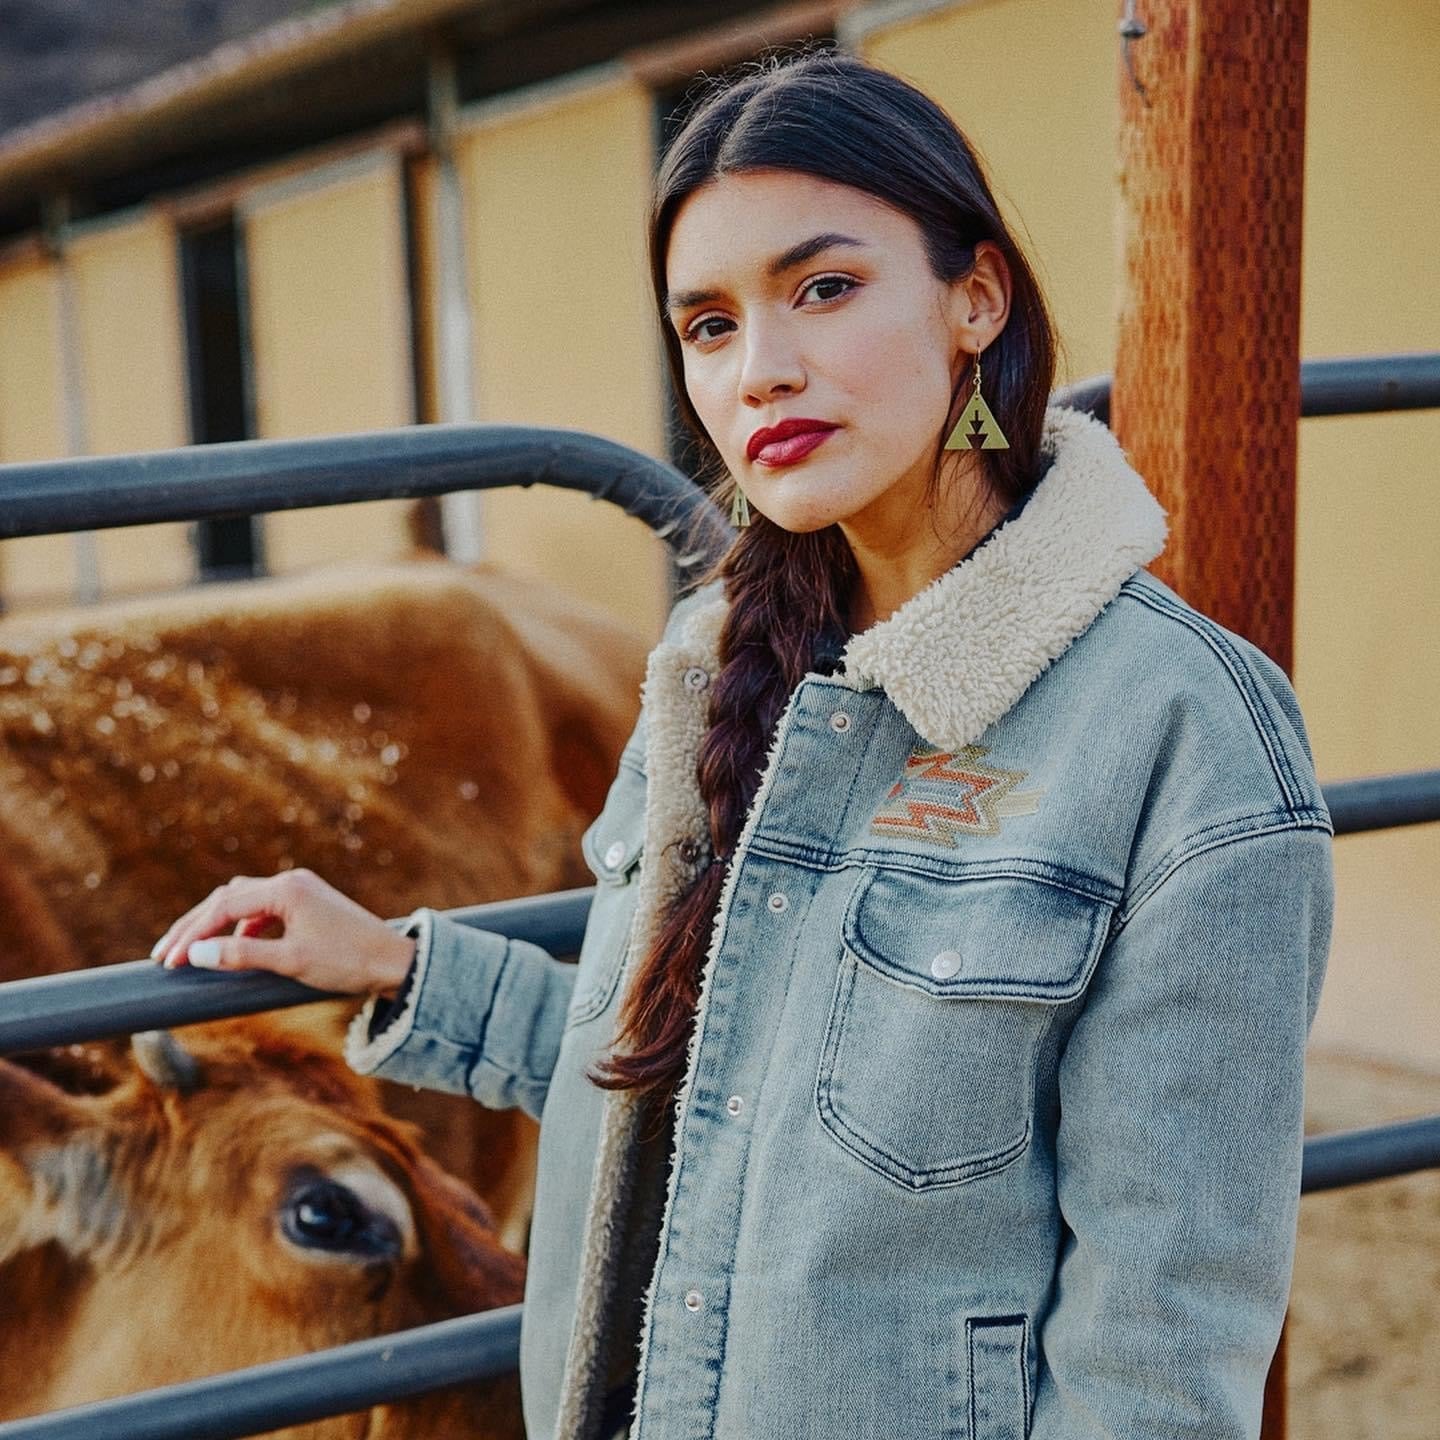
x=1344 y=385
x=292 y=1392
x=1355 y=1157
x=121 y=999
x=413 y=1362
x=243 y=477
x=1380 y=802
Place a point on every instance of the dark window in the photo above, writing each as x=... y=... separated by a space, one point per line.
x=216 y=344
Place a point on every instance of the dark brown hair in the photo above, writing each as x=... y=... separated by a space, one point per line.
x=820 y=112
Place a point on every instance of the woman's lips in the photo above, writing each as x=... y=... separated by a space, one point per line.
x=787 y=452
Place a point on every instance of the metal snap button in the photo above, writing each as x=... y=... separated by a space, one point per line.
x=696 y=678
x=840 y=722
x=689 y=850
x=615 y=854
x=946 y=964
x=778 y=902
x=693 y=1299
x=734 y=1104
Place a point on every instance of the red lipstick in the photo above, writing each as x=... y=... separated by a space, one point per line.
x=788 y=441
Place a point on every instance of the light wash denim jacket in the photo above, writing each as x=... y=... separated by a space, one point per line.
x=991 y=1126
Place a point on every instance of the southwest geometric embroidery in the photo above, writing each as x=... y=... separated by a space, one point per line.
x=944 y=794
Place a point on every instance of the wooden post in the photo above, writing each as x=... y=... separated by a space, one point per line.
x=1207 y=377
x=1206 y=397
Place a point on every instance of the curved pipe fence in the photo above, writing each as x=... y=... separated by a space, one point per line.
x=247 y=477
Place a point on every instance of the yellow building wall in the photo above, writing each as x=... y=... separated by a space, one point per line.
x=555 y=200
x=1368 y=600
x=32 y=421
x=330 y=339
x=1034 y=85
x=130 y=342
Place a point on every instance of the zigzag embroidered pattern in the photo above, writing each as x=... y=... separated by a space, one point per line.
x=944 y=794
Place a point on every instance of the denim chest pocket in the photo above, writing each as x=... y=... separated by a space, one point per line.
x=945 y=989
x=613 y=847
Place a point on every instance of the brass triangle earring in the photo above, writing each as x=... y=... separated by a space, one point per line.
x=739 y=509
x=977 y=428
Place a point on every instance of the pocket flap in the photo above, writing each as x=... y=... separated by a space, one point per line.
x=615 y=839
x=994 y=935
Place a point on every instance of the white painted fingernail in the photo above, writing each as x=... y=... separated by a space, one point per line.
x=159 y=948
x=205 y=954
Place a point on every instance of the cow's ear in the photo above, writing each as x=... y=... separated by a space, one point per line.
x=464 y=1259
x=321 y=1026
x=54 y=1170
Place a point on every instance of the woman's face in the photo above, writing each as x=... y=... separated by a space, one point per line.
x=799 y=298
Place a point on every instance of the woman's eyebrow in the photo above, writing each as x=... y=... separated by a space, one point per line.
x=786 y=260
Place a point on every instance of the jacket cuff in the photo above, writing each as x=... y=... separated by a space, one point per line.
x=383 y=1023
x=431 y=1032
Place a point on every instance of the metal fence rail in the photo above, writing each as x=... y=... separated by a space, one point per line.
x=1381 y=802
x=1355 y=1157
x=82 y=1005
x=293 y=1392
x=245 y=477
x=248 y=477
x=1345 y=385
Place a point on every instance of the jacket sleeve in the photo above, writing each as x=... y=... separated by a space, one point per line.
x=1179 y=1147
x=478 y=1015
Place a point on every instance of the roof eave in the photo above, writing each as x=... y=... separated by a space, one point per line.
x=111 y=128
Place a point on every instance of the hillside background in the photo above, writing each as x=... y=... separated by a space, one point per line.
x=54 y=53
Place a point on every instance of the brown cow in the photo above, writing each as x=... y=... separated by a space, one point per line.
x=416 y=733
x=237 y=1200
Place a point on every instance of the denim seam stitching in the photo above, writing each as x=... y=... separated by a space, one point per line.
x=1259 y=822
x=603 y=990
x=1039 y=871
x=970 y=1376
x=1231 y=659
x=1124 y=916
x=972 y=1324
x=488 y=1013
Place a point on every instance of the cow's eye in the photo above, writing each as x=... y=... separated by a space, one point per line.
x=322 y=1214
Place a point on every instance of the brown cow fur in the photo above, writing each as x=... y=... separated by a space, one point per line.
x=415 y=733
x=140 y=1236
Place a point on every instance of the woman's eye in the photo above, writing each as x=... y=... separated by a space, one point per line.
x=836 y=286
x=697 y=330
x=832 y=280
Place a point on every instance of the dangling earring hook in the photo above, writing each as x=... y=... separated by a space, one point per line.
x=977 y=428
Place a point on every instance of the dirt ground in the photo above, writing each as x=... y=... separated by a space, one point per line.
x=1365 y=1304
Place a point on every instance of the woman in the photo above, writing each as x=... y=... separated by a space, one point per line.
x=966 y=891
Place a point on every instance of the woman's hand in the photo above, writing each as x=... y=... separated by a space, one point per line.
x=321 y=937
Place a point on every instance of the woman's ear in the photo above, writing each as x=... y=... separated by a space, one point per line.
x=980 y=303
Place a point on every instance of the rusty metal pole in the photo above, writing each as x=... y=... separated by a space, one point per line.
x=1207 y=375
x=1206 y=397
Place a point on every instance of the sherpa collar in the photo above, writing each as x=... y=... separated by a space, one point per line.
x=957 y=656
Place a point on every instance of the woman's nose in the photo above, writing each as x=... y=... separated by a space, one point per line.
x=771 y=366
